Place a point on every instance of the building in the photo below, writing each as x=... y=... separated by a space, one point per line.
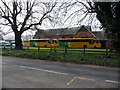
x=1 y=37
x=74 y=32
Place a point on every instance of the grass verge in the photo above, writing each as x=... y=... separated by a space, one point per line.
x=79 y=58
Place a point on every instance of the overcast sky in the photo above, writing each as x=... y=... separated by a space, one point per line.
x=71 y=22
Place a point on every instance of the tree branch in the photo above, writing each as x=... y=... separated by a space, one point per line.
x=29 y=12
x=6 y=6
x=41 y=19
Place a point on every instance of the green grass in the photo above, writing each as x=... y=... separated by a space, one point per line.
x=80 y=58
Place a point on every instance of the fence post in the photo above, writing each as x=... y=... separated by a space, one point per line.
x=65 y=49
x=11 y=47
x=51 y=49
x=107 y=46
x=84 y=49
x=38 y=48
x=106 y=51
x=4 y=47
x=54 y=49
x=28 y=47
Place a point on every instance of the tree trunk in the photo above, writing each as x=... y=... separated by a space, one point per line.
x=18 y=41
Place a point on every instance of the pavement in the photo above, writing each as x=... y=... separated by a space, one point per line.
x=32 y=73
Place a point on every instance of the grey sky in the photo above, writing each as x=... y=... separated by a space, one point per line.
x=71 y=22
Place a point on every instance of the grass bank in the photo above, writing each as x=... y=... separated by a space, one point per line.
x=80 y=58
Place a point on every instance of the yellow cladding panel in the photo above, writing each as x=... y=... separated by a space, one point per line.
x=26 y=43
x=97 y=45
x=43 y=44
x=55 y=45
x=80 y=45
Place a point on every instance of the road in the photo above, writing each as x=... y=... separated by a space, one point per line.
x=32 y=73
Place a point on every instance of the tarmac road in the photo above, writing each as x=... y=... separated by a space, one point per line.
x=32 y=73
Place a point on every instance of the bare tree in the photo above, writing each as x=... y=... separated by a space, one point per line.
x=73 y=14
x=21 y=16
x=64 y=14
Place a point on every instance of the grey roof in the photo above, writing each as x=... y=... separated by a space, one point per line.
x=65 y=31
x=99 y=34
x=61 y=31
x=40 y=31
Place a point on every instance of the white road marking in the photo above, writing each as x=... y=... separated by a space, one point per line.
x=112 y=81
x=44 y=70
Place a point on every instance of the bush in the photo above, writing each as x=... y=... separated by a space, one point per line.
x=80 y=58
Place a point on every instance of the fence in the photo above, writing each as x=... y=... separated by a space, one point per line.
x=61 y=49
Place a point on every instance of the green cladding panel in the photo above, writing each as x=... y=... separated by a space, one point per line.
x=32 y=43
x=63 y=44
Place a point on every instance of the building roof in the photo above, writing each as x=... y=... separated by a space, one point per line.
x=65 y=31
x=40 y=31
x=99 y=34
x=61 y=31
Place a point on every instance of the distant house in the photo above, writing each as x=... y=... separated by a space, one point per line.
x=40 y=34
x=100 y=34
x=74 y=32
x=1 y=37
